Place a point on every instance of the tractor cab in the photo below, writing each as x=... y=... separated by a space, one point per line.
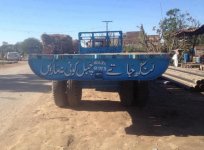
x=100 y=42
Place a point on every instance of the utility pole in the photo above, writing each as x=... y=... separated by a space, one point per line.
x=107 y=24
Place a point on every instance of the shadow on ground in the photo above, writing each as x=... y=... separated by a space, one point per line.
x=23 y=83
x=170 y=111
x=100 y=105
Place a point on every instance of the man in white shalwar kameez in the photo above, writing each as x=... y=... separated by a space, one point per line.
x=175 y=59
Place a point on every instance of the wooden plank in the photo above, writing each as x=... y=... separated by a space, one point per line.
x=188 y=70
x=190 y=65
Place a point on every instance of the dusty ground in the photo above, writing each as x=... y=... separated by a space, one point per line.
x=9 y=65
x=172 y=120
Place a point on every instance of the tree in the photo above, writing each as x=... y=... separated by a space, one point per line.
x=143 y=38
x=31 y=45
x=17 y=47
x=6 y=47
x=174 y=21
x=151 y=43
x=201 y=39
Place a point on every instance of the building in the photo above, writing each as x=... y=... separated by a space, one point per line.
x=135 y=40
x=132 y=38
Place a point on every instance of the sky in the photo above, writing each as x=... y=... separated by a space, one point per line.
x=21 y=19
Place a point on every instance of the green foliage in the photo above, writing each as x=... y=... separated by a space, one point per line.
x=144 y=38
x=128 y=48
x=201 y=39
x=150 y=43
x=31 y=45
x=134 y=48
x=174 y=21
x=5 y=48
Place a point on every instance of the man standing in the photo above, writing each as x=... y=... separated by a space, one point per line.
x=175 y=58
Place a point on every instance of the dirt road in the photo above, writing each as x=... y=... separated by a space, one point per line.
x=172 y=120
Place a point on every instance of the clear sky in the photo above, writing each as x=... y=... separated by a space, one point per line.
x=20 y=19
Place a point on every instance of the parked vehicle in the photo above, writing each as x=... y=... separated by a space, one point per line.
x=102 y=65
x=13 y=56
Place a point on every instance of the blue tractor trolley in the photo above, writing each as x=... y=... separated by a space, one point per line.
x=100 y=64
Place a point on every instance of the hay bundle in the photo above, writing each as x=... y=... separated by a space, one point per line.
x=57 y=44
x=75 y=44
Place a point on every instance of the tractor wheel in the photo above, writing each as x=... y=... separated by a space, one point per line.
x=59 y=93
x=126 y=93
x=74 y=93
x=141 y=93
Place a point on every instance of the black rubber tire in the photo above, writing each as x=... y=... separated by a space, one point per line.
x=141 y=94
x=59 y=93
x=126 y=93
x=74 y=93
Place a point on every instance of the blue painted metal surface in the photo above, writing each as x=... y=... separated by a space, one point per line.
x=100 y=42
x=85 y=67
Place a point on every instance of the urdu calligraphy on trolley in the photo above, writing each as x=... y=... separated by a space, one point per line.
x=80 y=69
